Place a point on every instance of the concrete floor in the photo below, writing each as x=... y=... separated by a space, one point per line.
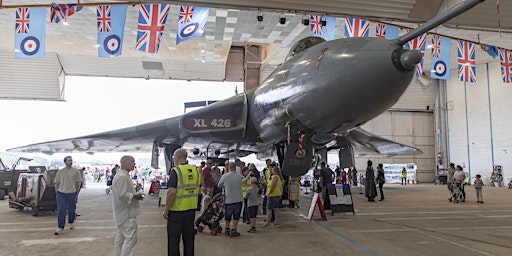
x=412 y=220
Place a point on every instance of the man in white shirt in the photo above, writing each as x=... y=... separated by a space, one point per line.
x=125 y=203
x=68 y=181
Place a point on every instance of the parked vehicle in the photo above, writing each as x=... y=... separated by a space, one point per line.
x=9 y=176
x=35 y=192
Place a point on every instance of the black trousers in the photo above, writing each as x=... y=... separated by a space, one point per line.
x=180 y=225
x=380 y=189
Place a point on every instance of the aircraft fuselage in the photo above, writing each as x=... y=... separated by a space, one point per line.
x=331 y=87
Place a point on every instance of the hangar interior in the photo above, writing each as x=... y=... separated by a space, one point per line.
x=450 y=121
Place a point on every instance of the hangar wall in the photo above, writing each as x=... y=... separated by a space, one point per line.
x=478 y=121
x=408 y=122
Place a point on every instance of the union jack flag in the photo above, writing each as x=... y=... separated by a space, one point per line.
x=466 y=60
x=436 y=46
x=103 y=18
x=355 y=27
x=316 y=24
x=418 y=43
x=380 y=30
x=506 y=65
x=62 y=11
x=22 y=20
x=186 y=12
x=152 y=18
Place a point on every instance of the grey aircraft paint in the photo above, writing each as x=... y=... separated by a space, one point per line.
x=323 y=91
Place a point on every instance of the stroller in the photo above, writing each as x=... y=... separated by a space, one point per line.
x=212 y=215
x=457 y=192
x=110 y=178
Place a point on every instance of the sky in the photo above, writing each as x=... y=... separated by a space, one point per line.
x=94 y=104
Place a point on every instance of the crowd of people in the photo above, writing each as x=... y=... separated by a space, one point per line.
x=243 y=187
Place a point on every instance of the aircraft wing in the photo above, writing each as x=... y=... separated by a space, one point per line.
x=364 y=142
x=222 y=127
x=132 y=139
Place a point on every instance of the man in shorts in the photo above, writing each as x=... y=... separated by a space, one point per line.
x=232 y=183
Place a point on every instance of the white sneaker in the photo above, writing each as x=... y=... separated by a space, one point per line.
x=59 y=231
x=71 y=226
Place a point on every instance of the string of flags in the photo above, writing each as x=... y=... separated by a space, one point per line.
x=30 y=28
x=441 y=49
x=30 y=32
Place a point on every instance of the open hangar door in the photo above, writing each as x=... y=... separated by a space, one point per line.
x=31 y=79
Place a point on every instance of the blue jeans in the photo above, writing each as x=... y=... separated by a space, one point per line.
x=66 y=203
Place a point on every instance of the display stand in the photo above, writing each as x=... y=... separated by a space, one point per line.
x=294 y=189
x=341 y=199
x=162 y=194
x=314 y=202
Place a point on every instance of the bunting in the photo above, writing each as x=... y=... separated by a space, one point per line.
x=386 y=31
x=191 y=22
x=110 y=21
x=440 y=61
x=489 y=49
x=152 y=18
x=506 y=65
x=62 y=11
x=327 y=31
x=355 y=27
x=30 y=32
x=418 y=43
x=466 y=60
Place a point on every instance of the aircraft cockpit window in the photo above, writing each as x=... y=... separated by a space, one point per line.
x=304 y=44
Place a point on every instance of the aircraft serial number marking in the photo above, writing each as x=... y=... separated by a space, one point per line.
x=209 y=123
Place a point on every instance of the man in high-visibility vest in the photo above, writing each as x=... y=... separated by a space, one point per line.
x=181 y=204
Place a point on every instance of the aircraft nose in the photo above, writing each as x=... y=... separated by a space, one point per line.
x=406 y=59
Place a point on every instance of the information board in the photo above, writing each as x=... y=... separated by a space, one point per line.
x=341 y=198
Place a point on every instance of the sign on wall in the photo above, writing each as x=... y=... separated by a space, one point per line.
x=393 y=172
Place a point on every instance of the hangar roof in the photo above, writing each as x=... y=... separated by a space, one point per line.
x=234 y=22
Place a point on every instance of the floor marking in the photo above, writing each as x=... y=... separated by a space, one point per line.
x=456 y=244
x=440 y=212
x=80 y=228
x=340 y=235
x=445 y=217
x=57 y=241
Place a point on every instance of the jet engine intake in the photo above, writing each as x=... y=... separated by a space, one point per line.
x=406 y=60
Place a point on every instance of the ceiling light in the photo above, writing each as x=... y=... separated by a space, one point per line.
x=305 y=21
x=203 y=60
x=282 y=19
x=260 y=16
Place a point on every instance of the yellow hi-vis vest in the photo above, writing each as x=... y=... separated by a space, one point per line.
x=245 y=185
x=187 y=189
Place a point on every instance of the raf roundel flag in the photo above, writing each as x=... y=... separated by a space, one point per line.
x=191 y=23
x=30 y=30
x=440 y=61
x=110 y=20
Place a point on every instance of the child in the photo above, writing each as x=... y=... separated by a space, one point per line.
x=253 y=199
x=204 y=204
x=478 y=187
